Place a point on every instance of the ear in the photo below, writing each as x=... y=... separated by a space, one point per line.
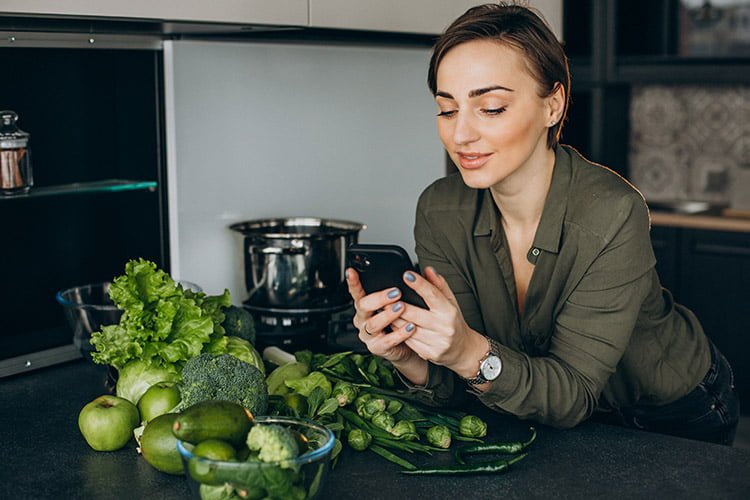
x=555 y=104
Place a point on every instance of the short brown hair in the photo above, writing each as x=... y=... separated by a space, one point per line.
x=521 y=28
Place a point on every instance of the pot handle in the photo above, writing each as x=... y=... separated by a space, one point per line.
x=277 y=250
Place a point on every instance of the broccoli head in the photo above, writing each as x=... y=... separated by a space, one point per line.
x=238 y=322
x=273 y=442
x=223 y=377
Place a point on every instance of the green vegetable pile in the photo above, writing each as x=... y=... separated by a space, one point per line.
x=164 y=325
x=355 y=396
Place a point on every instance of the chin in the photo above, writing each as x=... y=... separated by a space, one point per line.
x=475 y=180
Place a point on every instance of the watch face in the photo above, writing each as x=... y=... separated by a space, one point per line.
x=491 y=367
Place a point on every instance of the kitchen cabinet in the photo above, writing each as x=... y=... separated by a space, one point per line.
x=276 y=12
x=95 y=122
x=615 y=44
x=709 y=271
x=415 y=16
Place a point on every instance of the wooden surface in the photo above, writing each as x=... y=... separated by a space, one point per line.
x=731 y=220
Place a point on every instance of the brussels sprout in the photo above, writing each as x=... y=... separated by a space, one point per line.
x=394 y=406
x=383 y=420
x=439 y=435
x=405 y=429
x=372 y=407
x=358 y=439
x=471 y=426
x=344 y=392
x=359 y=403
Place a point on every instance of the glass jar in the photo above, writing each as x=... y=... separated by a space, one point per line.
x=15 y=157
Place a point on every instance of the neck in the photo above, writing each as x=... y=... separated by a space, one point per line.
x=521 y=197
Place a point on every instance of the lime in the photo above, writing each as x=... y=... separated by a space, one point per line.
x=159 y=446
x=215 y=449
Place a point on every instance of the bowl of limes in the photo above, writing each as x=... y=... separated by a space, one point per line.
x=281 y=458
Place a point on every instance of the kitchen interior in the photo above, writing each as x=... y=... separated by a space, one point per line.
x=180 y=134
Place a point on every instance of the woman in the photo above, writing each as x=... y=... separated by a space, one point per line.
x=538 y=267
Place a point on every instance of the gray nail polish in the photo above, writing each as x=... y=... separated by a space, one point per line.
x=410 y=327
x=410 y=277
x=392 y=294
x=397 y=307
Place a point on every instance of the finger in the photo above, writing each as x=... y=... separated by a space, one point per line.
x=378 y=322
x=429 y=292
x=437 y=279
x=396 y=337
x=380 y=299
x=353 y=284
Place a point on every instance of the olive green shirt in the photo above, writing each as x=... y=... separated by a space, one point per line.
x=597 y=329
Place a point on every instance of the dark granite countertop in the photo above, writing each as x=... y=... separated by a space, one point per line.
x=44 y=456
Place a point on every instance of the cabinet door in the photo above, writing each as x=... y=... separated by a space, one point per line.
x=716 y=286
x=414 y=16
x=285 y=12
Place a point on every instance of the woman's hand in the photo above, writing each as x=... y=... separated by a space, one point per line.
x=376 y=312
x=441 y=334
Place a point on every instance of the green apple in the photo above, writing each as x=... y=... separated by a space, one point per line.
x=159 y=399
x=108 y=422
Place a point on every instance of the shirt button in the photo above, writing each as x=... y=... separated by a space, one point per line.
x=535 y=252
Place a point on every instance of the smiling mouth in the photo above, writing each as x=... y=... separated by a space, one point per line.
x=473 y=160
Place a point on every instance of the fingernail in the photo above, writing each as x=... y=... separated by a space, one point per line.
x=346 y=274
x=410 y=327
x=394 y=293
x=397 y=307
x=410 y=277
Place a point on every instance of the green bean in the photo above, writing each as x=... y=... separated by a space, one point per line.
x=492 y=466
x=508 y=448
x=392 y=457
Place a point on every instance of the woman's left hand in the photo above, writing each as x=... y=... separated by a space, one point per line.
x=442 y=335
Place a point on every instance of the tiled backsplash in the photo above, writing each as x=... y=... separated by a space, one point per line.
x=691 y=142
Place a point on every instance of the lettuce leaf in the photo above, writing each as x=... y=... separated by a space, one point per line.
x=162 y=323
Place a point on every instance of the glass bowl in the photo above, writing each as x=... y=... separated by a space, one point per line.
x=88 y=308
x=301 y=477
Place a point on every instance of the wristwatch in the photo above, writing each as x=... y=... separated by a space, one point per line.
x=490 y=366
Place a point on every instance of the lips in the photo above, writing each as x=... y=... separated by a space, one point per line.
x=472 y=160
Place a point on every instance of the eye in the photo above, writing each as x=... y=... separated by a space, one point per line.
x=447 y=114
x=493 y=111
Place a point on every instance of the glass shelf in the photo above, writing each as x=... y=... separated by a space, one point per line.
x=105 y=186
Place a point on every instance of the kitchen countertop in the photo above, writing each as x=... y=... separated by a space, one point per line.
x=44 y=456
x=729 y=221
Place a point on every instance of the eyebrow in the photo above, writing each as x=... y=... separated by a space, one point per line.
x=475 y=92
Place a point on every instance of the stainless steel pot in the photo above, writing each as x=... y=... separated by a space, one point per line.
x=297 y=263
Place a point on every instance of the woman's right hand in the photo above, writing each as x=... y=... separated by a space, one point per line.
x=376 y=312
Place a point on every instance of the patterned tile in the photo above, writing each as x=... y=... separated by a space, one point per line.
x=688 y=141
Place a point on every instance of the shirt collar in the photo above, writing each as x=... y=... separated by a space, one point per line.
x=549 y=232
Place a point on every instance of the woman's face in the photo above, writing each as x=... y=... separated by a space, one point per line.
x=491 y=119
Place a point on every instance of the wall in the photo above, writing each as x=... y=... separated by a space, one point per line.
x=691 y=142
x=261 y=130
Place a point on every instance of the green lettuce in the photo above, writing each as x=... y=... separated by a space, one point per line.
x=163 y=324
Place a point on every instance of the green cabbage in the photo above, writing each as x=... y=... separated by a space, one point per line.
x=242 y=349
x=134 y=379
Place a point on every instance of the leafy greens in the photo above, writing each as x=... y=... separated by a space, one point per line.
x=163 y=324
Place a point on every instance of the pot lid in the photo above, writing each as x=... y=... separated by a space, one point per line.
x=297 y=227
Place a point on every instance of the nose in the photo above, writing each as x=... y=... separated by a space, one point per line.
x=464 y=132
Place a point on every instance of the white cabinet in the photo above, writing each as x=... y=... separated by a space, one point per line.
x=275 y=12
x=412 y=16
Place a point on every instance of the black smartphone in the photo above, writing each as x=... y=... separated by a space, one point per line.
x=382 y=267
